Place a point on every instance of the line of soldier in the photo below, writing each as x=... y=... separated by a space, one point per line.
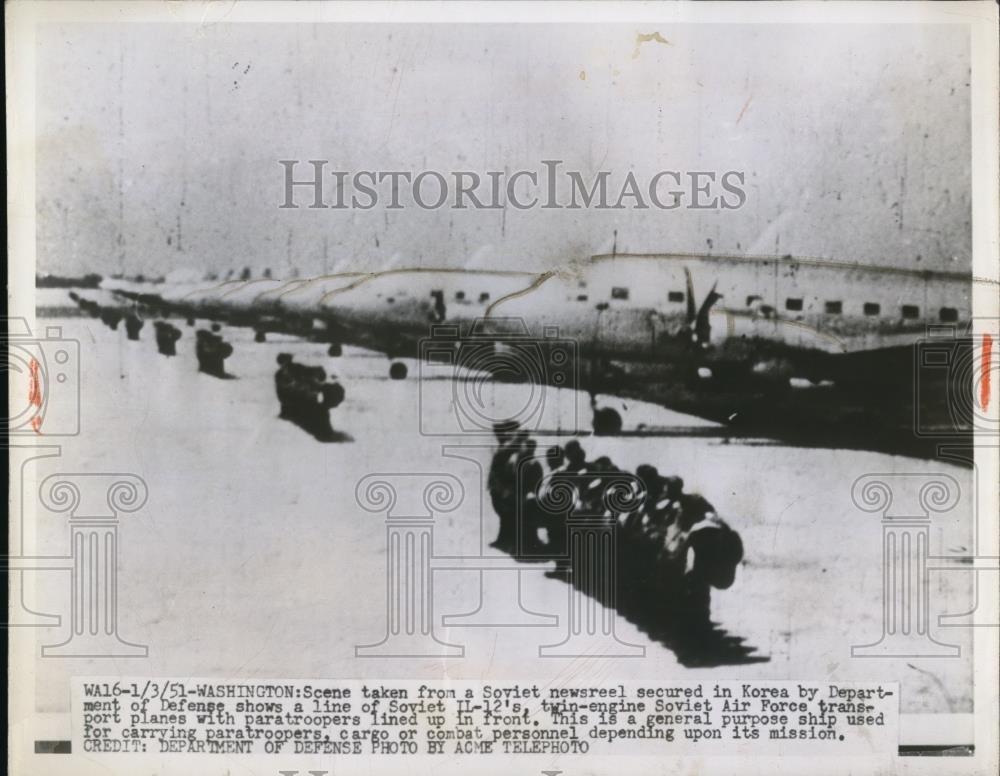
x=210 y=349
x=306 y=396
x=669 y=551
x=111 y=316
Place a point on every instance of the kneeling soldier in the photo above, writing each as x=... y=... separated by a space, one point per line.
x=211 y=352
x=166 y=338
x=133 y=325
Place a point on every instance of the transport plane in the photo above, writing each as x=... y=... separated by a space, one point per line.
x=809 y=350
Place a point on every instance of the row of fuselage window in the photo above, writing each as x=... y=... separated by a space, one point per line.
x=872 y=309
x=797 y=304
x=792 y=304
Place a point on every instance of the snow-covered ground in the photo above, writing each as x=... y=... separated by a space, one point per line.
x=252 y=557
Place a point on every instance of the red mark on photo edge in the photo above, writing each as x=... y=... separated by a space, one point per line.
x=984 y=384
x=35 y=394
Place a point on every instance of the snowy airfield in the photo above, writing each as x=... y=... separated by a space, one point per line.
x=253 y=559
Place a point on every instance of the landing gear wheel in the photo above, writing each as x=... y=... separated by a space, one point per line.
x=607 y=422
x=335 y=350
x=260 y=336
x=397 y=371
x=190 y=321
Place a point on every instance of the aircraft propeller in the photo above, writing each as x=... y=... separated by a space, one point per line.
x=697 y=318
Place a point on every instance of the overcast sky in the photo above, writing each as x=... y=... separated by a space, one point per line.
x=158 y=146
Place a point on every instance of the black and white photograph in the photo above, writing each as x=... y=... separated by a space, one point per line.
x=539 y=387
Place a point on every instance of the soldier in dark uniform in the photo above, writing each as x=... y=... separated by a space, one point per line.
x=717 y=550
x=691 y=596
x=596 y=505
x=576 y=458
x=636 y=553
x=316 y=415
x=166 y=337
x=529 y=478
x=501 y=483
x=568 y=479
x=555 y=459
x=663 y=512
x=700 y=552
x=288 y=377
x=299 y=374
x=306 y=396
x=593 y=495
x=203 y=351
x=555 y=463
x=283 y=385
x=211 y=352
x=223 y=351
x=110 y=317
x=328 y=393
x=133 y=325
x=315 y=376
